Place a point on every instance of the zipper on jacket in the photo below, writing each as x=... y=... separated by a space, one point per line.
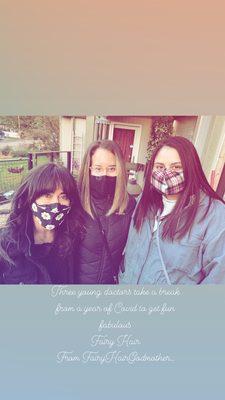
x=103 y=255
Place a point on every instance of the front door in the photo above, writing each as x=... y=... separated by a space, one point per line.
x=125 y=139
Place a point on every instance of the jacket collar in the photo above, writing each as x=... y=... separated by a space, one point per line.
x=29 y=237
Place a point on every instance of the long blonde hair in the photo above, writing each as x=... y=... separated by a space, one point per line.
x=120 y=200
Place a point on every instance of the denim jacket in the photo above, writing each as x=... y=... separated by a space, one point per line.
x=196 y=258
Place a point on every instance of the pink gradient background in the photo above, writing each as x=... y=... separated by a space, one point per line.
x=121 y=57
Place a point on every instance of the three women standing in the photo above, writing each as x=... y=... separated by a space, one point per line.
x=176 y=236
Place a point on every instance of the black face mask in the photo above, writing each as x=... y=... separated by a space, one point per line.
x=102 y=186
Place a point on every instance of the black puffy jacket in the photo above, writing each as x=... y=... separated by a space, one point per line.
x=38 y=264
x=94 y=263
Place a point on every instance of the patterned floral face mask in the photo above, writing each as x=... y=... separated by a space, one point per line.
x=50 y=215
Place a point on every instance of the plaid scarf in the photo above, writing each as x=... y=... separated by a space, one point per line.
x=167 y=181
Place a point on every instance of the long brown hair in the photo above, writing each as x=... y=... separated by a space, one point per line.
x=195 y=183
x=120 y=200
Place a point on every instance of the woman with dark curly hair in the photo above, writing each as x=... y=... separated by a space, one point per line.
x=39 y=242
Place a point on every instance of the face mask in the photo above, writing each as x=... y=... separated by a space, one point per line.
x=102 y=186
x=168 y=182
x=50 y=215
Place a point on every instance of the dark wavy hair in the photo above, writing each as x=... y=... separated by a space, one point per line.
x=180 y=220
x=14 y=237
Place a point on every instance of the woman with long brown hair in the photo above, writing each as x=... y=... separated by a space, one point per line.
x=108 y=208
x=177 y=234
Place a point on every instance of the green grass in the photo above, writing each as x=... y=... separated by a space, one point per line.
x=7 y=140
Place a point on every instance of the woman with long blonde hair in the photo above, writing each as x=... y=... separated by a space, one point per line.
x=108 y=208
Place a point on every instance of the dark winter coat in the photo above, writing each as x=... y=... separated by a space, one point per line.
x=94 y=263
x=38 y=264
